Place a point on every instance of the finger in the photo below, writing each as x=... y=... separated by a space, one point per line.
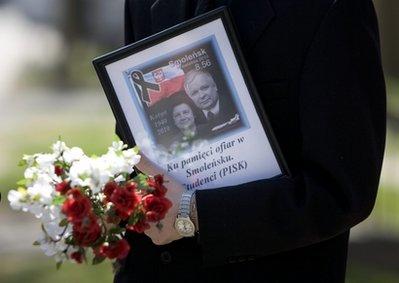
x=148 y=167
x=156 y=236
x=165 y=241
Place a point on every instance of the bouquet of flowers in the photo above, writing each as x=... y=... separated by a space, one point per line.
x=86 y=204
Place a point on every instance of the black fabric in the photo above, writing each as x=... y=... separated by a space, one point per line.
x=181 y=262
x=204 y=6
x=229 y=111
x=210 y=116
x=317 y=68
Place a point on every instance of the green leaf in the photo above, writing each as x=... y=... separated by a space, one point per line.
x=136 y=149
x=64 y=222
x=58 y=200
x=22 y=162
x=70 y=241
x=83 y=176
x=22 y=182
x=141 y=180
x=58 y=265
x=116 y=230
x=132 y=220
x=58 y=163
x=99 y=241
x=112 y=238
x=111 y=212
x=98 y=210
x=98 y=260
x=36 y=197
x=136 y=217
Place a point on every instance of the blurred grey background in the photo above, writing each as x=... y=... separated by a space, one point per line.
x=48 y=89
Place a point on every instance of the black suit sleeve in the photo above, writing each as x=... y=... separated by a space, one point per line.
x=129 y=32
x=342 y=117
x=129 y=38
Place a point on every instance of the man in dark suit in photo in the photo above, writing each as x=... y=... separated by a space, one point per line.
x=218 y=111
x=317 y=68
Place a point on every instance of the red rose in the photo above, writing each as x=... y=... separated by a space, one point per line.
x=156 y=207
x=131 y=187
x=58 y=170
x=99 y=251
x=119 y=249
x=74 y=193
x=87 y=231
x=159 y=178
x=109 y=188
x=125 y=202
x=139 y=227
x=157 y=184
x=62 y=187
x=76 y=206
x=77 y=256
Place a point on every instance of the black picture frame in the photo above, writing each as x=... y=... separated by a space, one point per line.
x=223 y=14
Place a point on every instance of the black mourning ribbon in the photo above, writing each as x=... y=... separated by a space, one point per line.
x=143 y=86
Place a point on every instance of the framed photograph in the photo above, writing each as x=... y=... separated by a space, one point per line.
x=185 y=97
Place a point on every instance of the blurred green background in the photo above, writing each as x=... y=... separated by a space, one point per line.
x=48 y=89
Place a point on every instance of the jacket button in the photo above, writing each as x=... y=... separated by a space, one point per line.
x=166 y=257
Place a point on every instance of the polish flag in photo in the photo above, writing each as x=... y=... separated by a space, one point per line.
x=170 y=80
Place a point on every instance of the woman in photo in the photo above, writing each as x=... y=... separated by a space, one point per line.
x=190 y=134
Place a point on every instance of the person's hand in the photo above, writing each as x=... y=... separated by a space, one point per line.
x=168 y=233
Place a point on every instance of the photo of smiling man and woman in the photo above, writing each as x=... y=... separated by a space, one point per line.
x=187 y=97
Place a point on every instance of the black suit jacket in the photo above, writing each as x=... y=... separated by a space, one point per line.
x=317 y=68
x=227 y=111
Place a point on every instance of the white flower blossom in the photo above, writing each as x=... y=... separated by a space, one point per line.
x=46 y=162
x=36 y=209
x=117 y=146
x=131 y=157
x=15 y=197
x=120 y=178
x=80 y=171
x=38 y=196
x=73 y=154
x=31 y=173
x=52 y=213
x=154 y=151
x=51 y=218
x=30 y=159
x=90 y=172
x=116 y=164
x=50 y=247
x=59 y=147
x=41 y=190
x=53 y=229
x=100 y=175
